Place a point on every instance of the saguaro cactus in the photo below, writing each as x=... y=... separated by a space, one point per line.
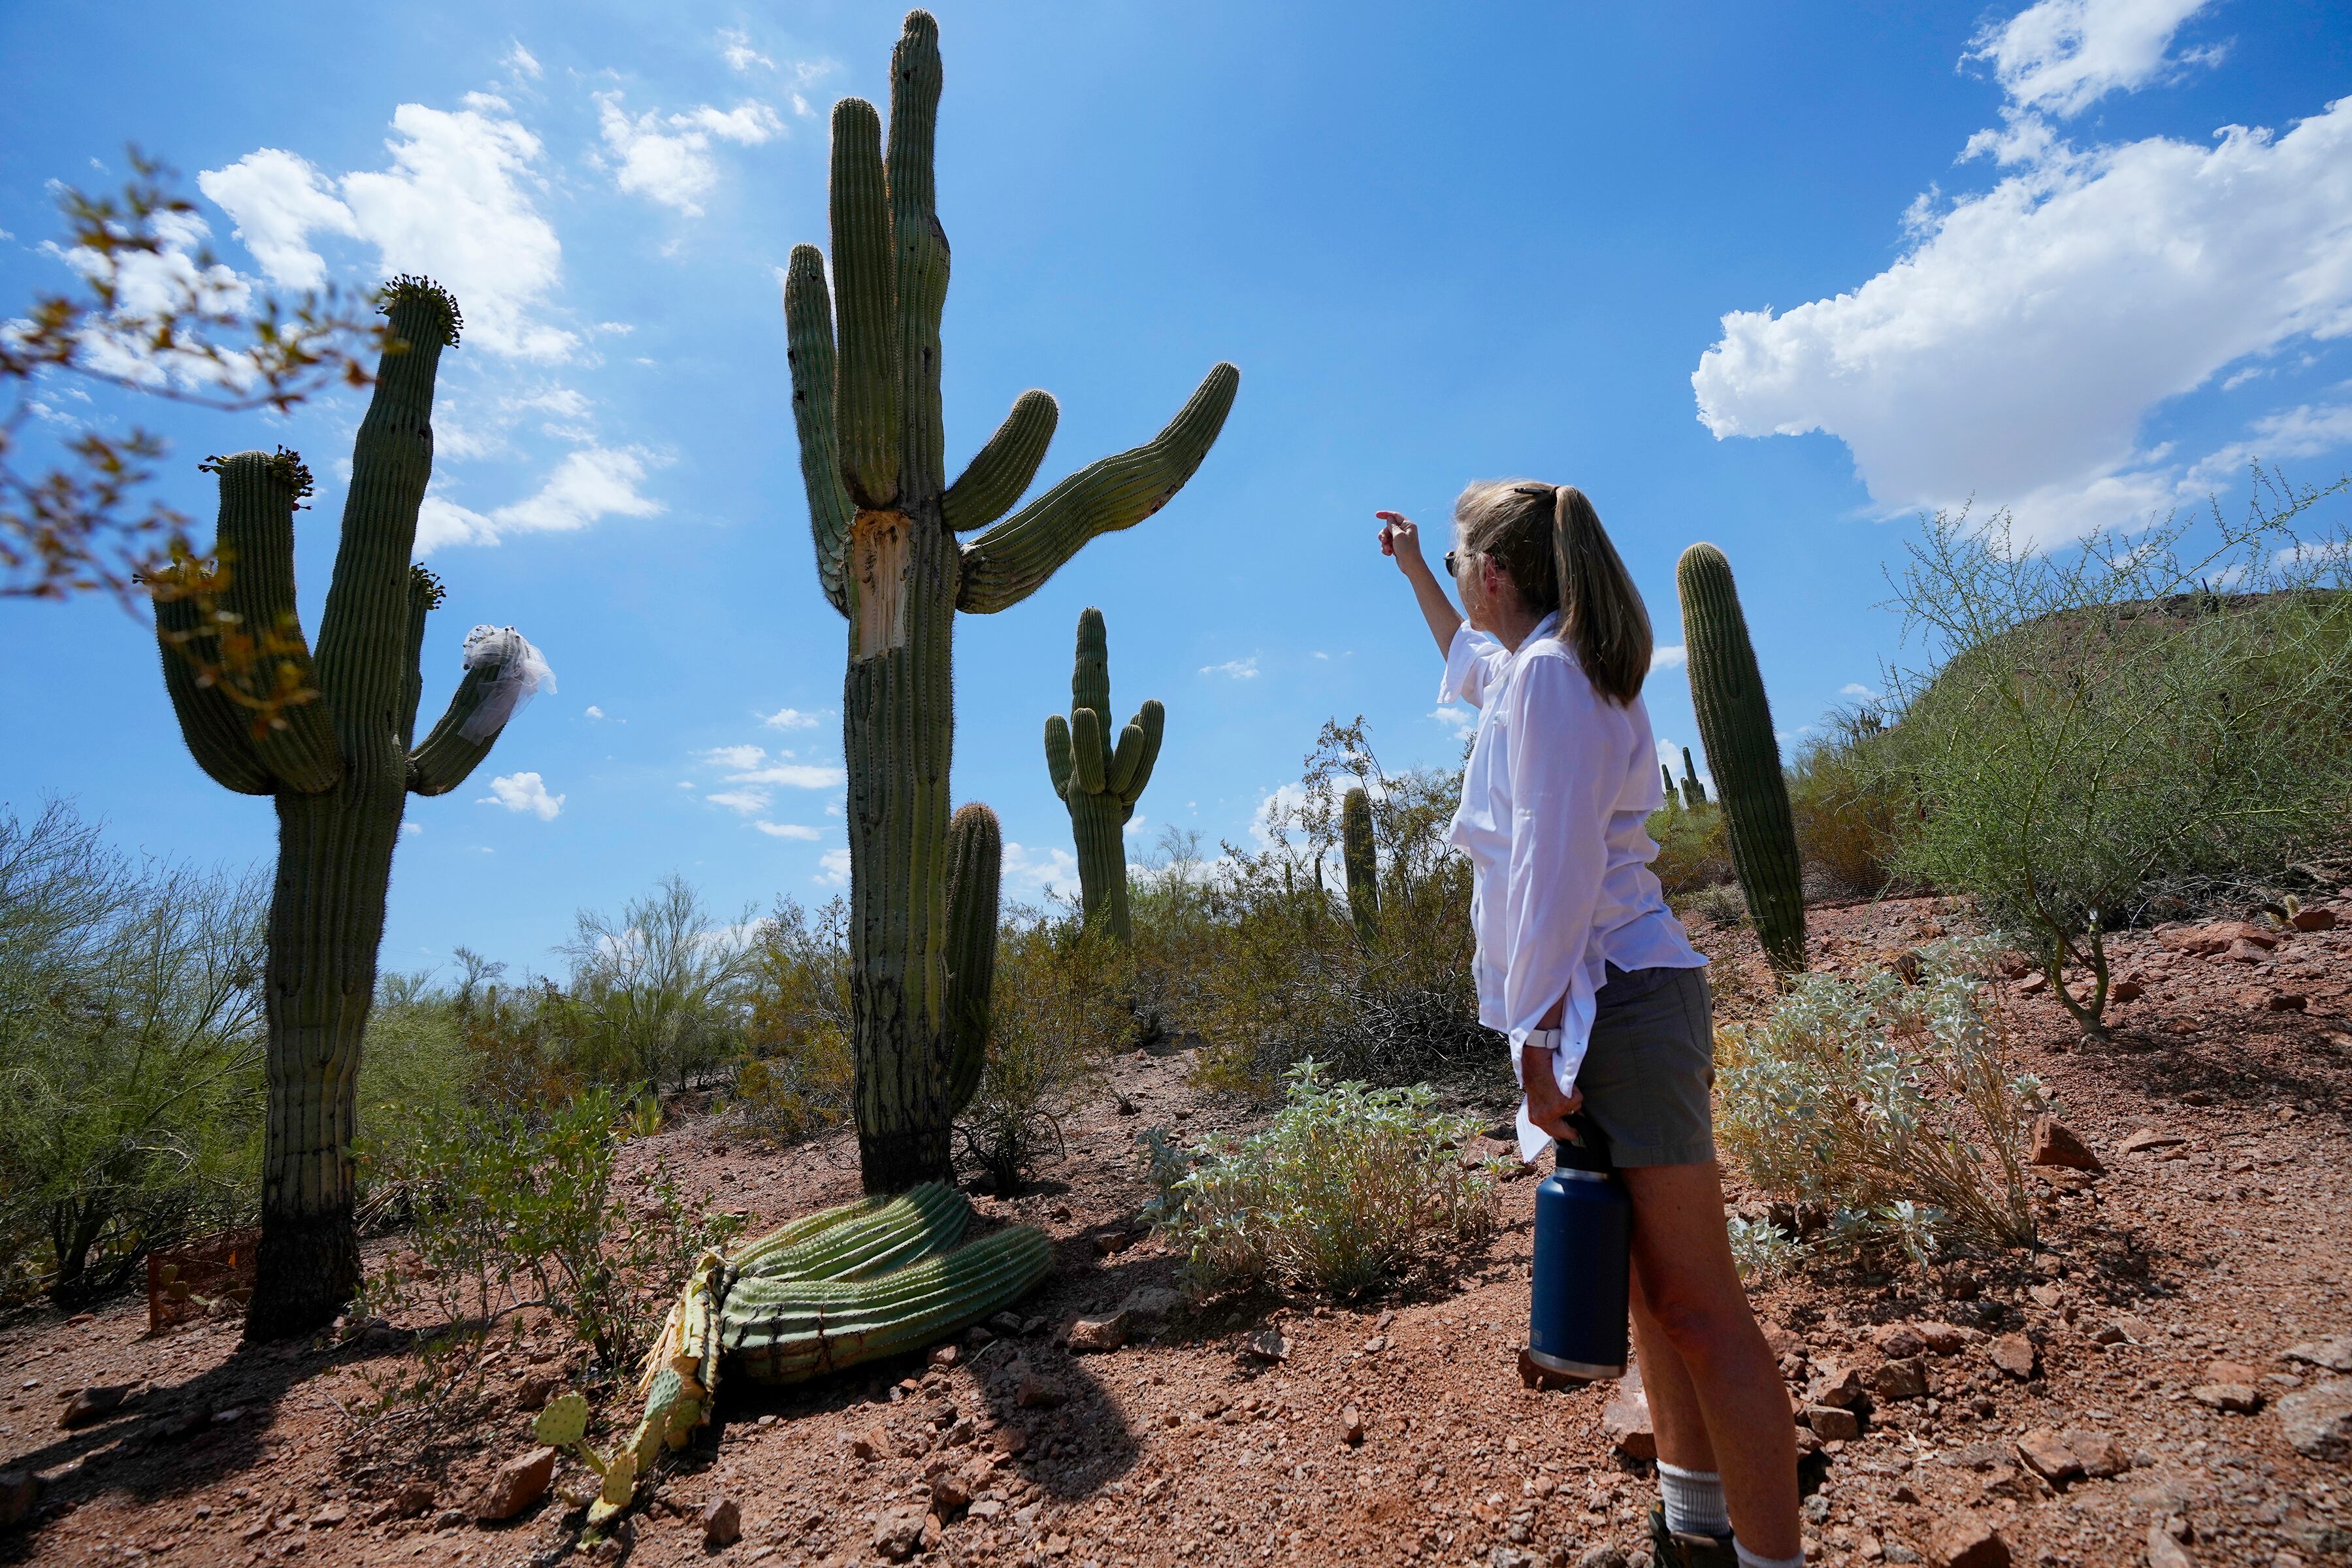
x=1363 y=863
x=1735 y=724
x=1673 y=796
x=1694 y=792
x=1098 y=781
x=866 y=403
x=340 y=768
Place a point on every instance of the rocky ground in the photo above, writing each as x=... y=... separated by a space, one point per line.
x=2166 y=1382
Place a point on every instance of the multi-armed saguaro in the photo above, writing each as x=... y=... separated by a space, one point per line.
x=1735 y=724
x=865 y=402
x=341 y=767
x=1694 y=792
x=1099 y=781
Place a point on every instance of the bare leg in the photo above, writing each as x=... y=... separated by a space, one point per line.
x=1714 y=1360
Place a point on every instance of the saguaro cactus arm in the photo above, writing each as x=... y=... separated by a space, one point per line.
x=1001 y=471
x=866 y=388
x=448 y=756
x=976 y=868
x=214 y=728
x=1059 y=759
x=260 y=492
x=808 y=328
x=1013 y=560
x=922 y=259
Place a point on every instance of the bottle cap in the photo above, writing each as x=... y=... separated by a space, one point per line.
x=1588 y=1151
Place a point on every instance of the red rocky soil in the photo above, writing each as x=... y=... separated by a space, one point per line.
x=2135 y=1394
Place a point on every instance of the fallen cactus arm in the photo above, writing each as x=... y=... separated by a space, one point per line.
x=877 y=1236
x=680 y=1383
x=814 y=1327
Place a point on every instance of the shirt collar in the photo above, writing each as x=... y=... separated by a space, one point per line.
x=1545 y=627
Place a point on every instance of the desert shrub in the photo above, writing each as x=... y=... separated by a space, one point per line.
x=1896 y=1107
x=1277 y=974
x=510 y=1211
x=660 y=992
x=1348 y=1187
x=1721 y=903
x=1060 y=1009
x=1850 y=821
x=131 y=1046
x=801 y=1074
x=2098 y=722
x=1693 y=851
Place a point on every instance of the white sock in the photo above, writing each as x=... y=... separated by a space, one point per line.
x=1749 y=1560
x=1694 y=1500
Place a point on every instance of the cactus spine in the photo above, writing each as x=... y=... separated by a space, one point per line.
x=1694 y=792
x=864 y=358
x=340 y=768
x=1735 y=724
x=1363 y=863
x=1098 y=781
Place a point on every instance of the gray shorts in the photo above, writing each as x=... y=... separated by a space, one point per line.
x=1648 y=1076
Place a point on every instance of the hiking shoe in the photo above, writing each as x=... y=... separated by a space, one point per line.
x=1680 y=1549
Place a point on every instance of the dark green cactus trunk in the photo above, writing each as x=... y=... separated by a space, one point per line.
x=1362 y=860
x=1099 y=781
x=975 y=872
x=865 y=407
x=340 y=768
x=1735 y=724
x=1694 y=792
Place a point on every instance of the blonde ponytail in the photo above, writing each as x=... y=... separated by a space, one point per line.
x=1548 y=541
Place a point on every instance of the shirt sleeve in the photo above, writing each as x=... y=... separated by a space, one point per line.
x=1471 y=662
x=1564 y=783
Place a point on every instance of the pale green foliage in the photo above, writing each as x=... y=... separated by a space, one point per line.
x=1721 y=903
x=1898 y=1108
x=1761 y=1250
x=1348 y=1187
x=1059 y=1011
x=801 y=1073
x=2096 y=724
x=660 y=992
x=1693 y=851
x=510 y=1210
x=130 y=1053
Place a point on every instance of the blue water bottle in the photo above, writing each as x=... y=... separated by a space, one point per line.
x=1584 y=1233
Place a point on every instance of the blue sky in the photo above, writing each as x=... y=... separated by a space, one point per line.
x=2010 y=254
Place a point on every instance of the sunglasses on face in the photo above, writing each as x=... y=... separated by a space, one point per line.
x=1453 y=559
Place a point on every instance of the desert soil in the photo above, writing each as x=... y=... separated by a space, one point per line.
x=2132 y=1394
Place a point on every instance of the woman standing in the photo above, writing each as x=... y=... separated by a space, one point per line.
x=1589 y=975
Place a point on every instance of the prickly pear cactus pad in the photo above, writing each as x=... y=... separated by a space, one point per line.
x=900 y=551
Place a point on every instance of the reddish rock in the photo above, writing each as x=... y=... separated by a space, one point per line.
x=2100 y=1457
x=721 y=1522
x=1964 y=1541
x=944 y=1356
x=2163 y=1551
x=1898 y=1342
x=1011 y=1442
x=2148 y=1138
x=1833 y=1424
x=2126 y=991
x=94 y=1404
x=2239 y=1398
x=2313 y=920
x=520 y=1482
x=1902 y=1378
x=2049 y=1457
x=2014 y=1354
x=19 y=1491
x=411 y=1501
x=2054 y=1144
x=2285 y=1002
x=2318 y=1420
x=2334 y=1354
x=1942 y=1338
x=1035 y=1391
x=1099 y=1335
x=898 y=1533
x=1837 y=1386
x=1625 y=1420
x=950 y=1490
x=871 y=1444
x=2207 y=940
x=2231 y=1372
x=1351 y=1425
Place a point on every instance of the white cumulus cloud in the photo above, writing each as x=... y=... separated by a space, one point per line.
x=787 y=830
x=1039 y=871
x=735 y=46
x=835 y=868
x=2062 y=56
x=792 y=719
x=795 y=775
x=667 y=158
x=745 y=801
x=456 y=205
x=1239 y=668
x=736 y=757
x=1670 y=656
x=2013 y=353
x=586 y=487
x=524 y=792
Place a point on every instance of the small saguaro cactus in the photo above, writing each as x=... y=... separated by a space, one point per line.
x=1735 y=724
x=1099 y=780
x=864 y=359
x=1362 y=860
x=1673 y=796
x=1694 y=792
x=341 y=766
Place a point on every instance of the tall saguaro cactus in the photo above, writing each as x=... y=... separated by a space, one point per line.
x=1694 y=792
x=340 y=768
x=1735 y=724
x=1358 y=853
x=1097 y=780
x=865 y=404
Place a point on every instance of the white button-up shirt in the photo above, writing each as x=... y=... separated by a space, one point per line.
x=1558 y=787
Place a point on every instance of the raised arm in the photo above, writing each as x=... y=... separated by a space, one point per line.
x=1400 y=539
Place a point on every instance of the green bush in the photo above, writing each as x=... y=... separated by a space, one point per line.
x=1060 y=1009
x=2099 y=725
x=660 y=992
x=1350 y=1187
x=1258 y=956
x=510 y=1211
x=131 y=1012
x=1849 y=822
x=1693 y=851
x=1898 y=1108
x=802 y=1074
